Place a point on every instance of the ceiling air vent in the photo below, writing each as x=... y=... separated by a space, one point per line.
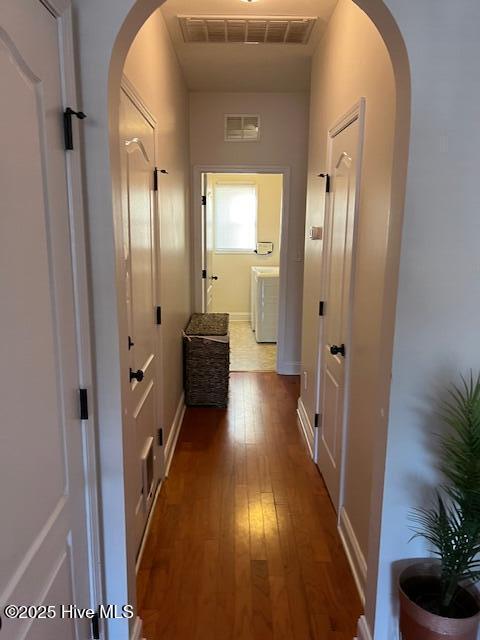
x=242 y=128
x=241 y=30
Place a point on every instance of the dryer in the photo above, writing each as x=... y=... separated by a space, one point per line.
x=253 y=289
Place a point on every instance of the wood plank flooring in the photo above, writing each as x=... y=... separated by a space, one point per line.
x=243 y=543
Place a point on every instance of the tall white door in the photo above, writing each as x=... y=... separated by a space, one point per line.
x=137 y=139
x=209 y=278
x=344 y=145
x=44 y=555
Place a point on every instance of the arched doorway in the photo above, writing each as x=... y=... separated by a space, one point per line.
x=128 y=20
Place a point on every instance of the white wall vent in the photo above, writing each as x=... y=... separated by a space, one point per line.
x=242 y=128
x=255 y=29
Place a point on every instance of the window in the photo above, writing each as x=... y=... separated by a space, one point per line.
x=235 y=218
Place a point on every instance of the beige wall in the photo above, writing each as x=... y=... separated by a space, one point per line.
x=232 y=289
x=352 y=62
x=153 y=69
x=284 y=140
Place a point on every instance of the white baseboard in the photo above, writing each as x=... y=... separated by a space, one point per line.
x=173 y=435
x=137 y=630
x=288 y=368
x=239 y=316
x=363 y=630
x=306 y=427
x=147 y=528
x=169 y=451
x=354 y=553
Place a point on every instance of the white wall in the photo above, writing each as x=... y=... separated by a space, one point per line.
x=162 y=87
x=231 y=291
x=284 y=123
x=352 y=62
x=437 y=332
x=160 y=83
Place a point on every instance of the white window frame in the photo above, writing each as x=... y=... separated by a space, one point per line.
x=229 y=183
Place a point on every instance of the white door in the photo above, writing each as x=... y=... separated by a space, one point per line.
x=209 y=278
x=44 y=556
x=137 y=139
x=344 y=175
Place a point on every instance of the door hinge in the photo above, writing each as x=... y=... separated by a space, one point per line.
x=204 y=201
x=160 y=437
x=327 y=181
x=321 y=308
x=67 y=126
x=204 y=274
x=159 y=315
x=83 y=404
x=95 y=622
x=318 y=420
x=155 y=179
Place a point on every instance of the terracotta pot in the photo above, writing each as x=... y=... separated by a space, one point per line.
x=418 y=624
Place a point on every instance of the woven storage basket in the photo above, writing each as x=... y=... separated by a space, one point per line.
x=207 y=360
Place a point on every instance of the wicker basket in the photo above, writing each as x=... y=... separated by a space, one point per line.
x=207 y=360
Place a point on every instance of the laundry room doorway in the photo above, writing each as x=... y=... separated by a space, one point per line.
x=242 y=254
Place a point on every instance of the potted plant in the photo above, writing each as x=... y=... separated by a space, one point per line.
x=437 y=597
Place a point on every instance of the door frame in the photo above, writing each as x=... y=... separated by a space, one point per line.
x=356 y=112
x=63 y=13
x=282 y=366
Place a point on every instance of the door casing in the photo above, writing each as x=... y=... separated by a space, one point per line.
x=62 y=12
x=197 y=266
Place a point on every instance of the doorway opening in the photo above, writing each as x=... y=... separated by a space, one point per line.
x=241 y=251
x=317 y=164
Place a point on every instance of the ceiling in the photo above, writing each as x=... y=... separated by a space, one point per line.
x=246 y=67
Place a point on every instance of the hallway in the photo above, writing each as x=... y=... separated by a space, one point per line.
x=243 y=543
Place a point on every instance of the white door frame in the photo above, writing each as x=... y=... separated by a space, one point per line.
x=356 y=112
x=198 y=170
x=62 y=11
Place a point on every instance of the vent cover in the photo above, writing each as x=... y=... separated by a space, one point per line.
x=242 y=128
x=241 y=30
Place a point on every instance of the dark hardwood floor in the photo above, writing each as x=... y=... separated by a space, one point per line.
x=243 y=543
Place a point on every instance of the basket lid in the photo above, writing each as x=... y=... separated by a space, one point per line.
x=208 y=324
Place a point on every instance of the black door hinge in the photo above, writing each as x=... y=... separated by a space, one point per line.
x=160 y=437
x=159 y=315
x=155 y=179
x=95 y=622
x=327 y=181
x=321 y=308
x=204 y=274
x=204 y=201
x=67 y=126
x=83 y=404
x=318 y=421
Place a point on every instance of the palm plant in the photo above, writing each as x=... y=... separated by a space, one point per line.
x=452 y=526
